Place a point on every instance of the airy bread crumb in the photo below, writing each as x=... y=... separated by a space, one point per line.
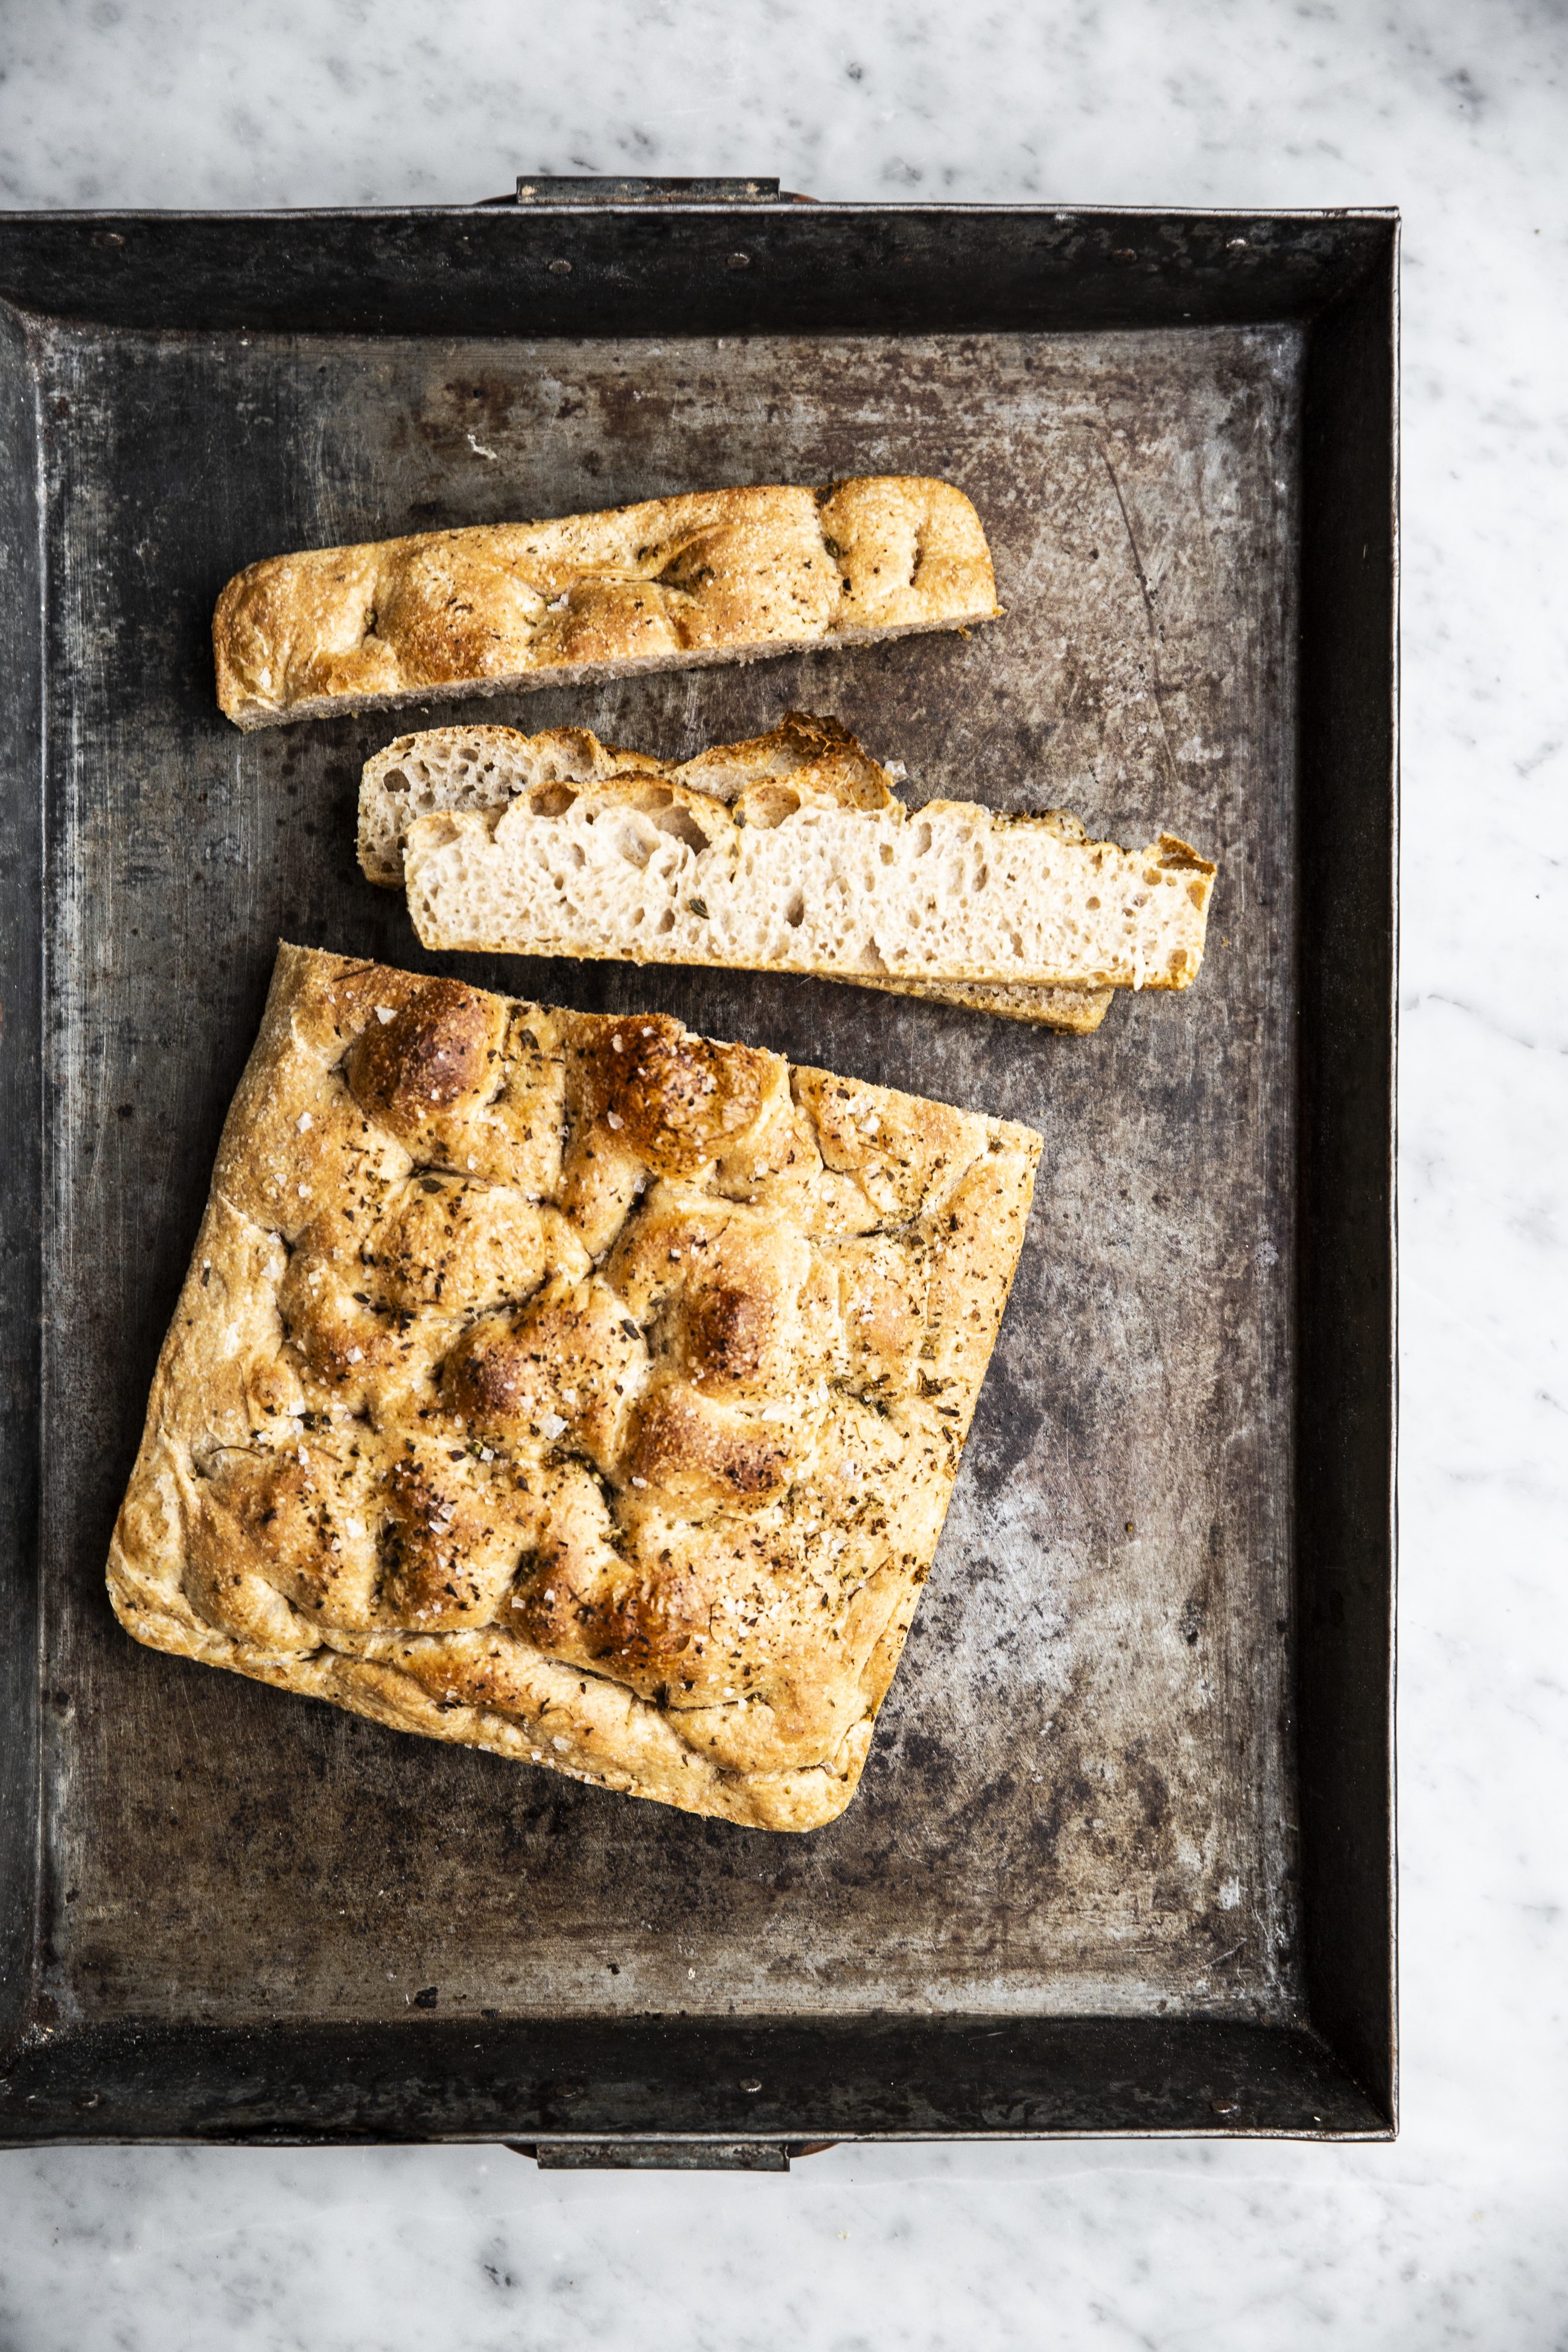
x=803 y=758
x=816 y=869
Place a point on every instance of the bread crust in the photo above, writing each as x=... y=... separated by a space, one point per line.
x=569 y=1387
x=670 y=583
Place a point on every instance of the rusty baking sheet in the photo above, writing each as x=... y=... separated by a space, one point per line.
x=1096 y=1805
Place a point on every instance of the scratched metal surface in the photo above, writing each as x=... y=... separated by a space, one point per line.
x=1079 y=1796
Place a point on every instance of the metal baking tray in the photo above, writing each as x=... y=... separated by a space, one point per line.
x=1123 y=1857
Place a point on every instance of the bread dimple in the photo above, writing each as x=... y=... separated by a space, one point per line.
x=450 y=1535
x=699 y=1452
x=900 y=546
x=444 y=1240
x=633 y=1475
x=571 y=1356
x=716 y=575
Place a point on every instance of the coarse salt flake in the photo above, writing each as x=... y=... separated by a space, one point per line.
x=552 y=1425
x=386 y=1012
x=613 y=1118
x=356 y=1356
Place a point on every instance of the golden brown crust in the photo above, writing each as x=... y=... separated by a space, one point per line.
x=569 y=1387
x=717 y=575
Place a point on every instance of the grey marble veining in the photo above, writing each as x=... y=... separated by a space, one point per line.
x=1455 y=2236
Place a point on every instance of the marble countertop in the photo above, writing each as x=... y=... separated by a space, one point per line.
x=1453 y=2236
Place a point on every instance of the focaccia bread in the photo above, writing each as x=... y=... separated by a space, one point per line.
x=713 y=577
x=804 y=758
x=787 y=879
x=570 y=1387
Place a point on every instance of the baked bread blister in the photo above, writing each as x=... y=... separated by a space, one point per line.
x=570 y=1387
x=670 y=583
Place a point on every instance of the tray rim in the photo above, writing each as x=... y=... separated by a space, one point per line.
x=43 y=2048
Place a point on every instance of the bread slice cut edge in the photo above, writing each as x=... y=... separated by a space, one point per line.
x=476 y=767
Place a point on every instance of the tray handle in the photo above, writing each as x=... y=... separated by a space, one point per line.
x=666 y=2155
x=574 y=188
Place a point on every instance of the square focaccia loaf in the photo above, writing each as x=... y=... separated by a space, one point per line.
x=570 y=1387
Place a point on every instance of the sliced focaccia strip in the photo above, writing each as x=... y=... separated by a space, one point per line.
x=570 y=1387
x=788 y=875
x=713 y=577
x=804 y=758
